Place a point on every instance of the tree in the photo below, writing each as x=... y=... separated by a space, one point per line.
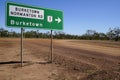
x=114 y=34
x=96 y=36
x=90 y=34
x=3 y=33
x=103 y=36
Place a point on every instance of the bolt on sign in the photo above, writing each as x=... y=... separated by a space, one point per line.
x=24 y=16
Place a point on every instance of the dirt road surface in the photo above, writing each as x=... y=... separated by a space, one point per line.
x=72 y=60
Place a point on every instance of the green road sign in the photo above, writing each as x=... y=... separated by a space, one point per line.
x=24 y=16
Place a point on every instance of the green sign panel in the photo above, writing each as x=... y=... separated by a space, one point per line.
x=24 y=16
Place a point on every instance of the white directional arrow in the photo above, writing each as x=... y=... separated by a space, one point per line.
x=58 y=20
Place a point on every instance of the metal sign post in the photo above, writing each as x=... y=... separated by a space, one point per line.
x=51 y=47
x=21 y=47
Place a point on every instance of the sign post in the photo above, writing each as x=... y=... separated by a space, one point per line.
x=25 y=16
x=21 y=47
x=51 y=48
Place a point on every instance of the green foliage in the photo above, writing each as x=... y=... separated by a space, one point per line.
x=112 y=34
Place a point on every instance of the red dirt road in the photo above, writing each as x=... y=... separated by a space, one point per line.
x=73 y=60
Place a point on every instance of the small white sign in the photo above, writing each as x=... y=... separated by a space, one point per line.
x=49 y=18
x=24 y=12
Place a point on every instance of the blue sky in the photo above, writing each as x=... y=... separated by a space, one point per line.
x=79 y=15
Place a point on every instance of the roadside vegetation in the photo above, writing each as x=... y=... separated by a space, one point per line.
x=112 y=34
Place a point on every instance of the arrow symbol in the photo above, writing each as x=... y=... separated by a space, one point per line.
x=58 y=20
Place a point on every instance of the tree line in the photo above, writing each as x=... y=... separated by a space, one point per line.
x=112 y=34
